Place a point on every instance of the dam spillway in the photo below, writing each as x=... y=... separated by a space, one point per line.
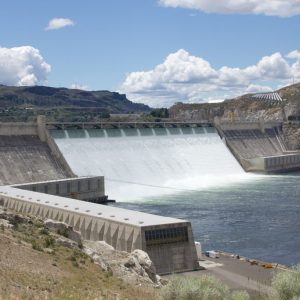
x=138 y=163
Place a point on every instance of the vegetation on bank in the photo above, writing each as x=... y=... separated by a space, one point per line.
x=17 y=114
x=285 y=286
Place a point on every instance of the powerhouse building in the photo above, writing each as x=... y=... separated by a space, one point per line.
x=168 y=241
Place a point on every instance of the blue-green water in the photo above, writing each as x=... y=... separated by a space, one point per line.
x=257 y=219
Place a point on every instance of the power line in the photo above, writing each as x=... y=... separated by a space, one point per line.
x=151 y=185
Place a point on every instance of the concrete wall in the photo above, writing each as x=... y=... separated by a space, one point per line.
x=18 y=129
x=244 y=125
x=259 y=147
x=173 y=256
x=28 y=154
x=256 y=164
x=45 y=136
x=24 y=158
x=273 y=164
x=84 y=188
x=283 y=163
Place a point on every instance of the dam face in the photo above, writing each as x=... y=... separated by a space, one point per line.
x=24 y=158
x=138 y=163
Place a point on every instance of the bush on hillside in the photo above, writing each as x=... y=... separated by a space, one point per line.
x=160 y=113
x=195 y=288
x=240 y=295
x=286 y=285
x=199 y=288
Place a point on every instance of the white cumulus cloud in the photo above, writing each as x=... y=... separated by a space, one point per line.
x=256 y=88
x=22 y=66
x=58 y=23
x=281 y=8
x=187 y=78
x=77 y=86
x=295 y=55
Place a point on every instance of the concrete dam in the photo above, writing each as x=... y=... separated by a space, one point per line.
x=31 y=157
x=39 y=169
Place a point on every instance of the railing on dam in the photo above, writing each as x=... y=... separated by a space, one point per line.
x=139 y=124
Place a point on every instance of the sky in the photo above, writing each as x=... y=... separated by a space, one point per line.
x=158 y=52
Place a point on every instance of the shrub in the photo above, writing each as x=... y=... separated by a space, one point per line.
x=15 y=223
x=195 y=288
x=160 y=113
x=286 y=285
x=49 y=242
x=64 y=232
x=36 y=246
x=240 y=295
x=72 y=258
x=44 y=231
x=75 y=264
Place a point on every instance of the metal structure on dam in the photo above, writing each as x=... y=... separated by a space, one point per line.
x=122 y=125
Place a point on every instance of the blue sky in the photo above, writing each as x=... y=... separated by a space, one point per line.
x=124 y=46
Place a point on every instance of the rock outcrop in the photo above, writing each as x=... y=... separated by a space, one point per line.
x=238 y=109
x=135 y=268
x=64 y=230
x=291 y=133
x=145 y=262
x=245 y=108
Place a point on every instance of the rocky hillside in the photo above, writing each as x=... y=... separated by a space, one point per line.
x=244 y=107
x=49 y=260
x=23 y=102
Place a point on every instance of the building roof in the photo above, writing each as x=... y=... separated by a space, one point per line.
x=108 y=213
x=57 y=180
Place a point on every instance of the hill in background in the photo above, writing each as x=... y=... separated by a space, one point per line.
x=245 y=107
x=73 y=105
x=24 y=103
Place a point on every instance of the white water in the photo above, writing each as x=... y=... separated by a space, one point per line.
x=148 y=162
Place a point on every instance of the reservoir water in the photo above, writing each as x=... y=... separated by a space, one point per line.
x=190 y=174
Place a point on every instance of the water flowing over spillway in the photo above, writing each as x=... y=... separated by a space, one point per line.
x=138 y=163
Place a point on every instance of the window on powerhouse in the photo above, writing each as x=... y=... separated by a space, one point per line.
x=167 y=235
